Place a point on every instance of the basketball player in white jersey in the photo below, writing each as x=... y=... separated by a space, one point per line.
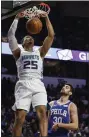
x=29 y=89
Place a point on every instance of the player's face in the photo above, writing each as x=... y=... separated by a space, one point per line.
x=66 y=90
x=28 y=41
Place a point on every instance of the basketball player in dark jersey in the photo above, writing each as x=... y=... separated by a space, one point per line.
x=63 y=114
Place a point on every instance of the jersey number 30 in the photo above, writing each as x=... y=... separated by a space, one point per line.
x=30 y=65
x=57 y=119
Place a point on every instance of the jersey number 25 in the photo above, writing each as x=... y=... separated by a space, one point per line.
x=30 y=65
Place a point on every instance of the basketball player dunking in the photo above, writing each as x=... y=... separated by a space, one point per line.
x=63 y=114
x=29 y=88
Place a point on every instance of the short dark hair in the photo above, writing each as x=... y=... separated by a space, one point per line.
x=72 y=89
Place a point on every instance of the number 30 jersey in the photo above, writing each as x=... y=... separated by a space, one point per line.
x=59 y=114
x=30 y=65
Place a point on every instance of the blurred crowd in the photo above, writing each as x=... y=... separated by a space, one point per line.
x=80 y=97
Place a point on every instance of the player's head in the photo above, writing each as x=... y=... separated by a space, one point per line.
x=28 y=41
x=67 y=90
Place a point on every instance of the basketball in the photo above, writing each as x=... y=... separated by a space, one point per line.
x=34 y=26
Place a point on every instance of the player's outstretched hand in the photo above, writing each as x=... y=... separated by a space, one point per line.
x=20 y=15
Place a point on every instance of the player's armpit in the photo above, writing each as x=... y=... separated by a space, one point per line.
x=46 y=45
x=16 y=53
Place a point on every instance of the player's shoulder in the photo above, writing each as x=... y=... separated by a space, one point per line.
x=51 y=103
x=73 y=105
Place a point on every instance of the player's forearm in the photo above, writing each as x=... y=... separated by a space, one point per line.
x=70 y=126
x=49 y=27
x=11 y=35
x=13 y=27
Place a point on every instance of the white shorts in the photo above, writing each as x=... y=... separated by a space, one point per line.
x=27 y=92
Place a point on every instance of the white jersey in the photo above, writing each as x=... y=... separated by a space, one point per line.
x=30 y=65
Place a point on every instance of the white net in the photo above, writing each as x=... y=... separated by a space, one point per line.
x=35 y=11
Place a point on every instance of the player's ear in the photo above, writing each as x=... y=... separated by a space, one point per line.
x=70 y=93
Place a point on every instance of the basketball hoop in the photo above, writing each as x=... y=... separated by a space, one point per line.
x=35 y=11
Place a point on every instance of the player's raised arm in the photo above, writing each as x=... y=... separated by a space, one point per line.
x=12 y=39
x=49 y=39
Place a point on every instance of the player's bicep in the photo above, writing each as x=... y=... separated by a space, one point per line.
x=74 y=114
x=46 y=45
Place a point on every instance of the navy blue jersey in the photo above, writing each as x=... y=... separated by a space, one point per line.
x=59 y=114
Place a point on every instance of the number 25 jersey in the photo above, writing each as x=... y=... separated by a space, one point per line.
x=30 y=65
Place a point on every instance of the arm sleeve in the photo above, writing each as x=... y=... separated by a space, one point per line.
x=11 y=35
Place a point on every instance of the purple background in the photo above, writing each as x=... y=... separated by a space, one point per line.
x=52 y=53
